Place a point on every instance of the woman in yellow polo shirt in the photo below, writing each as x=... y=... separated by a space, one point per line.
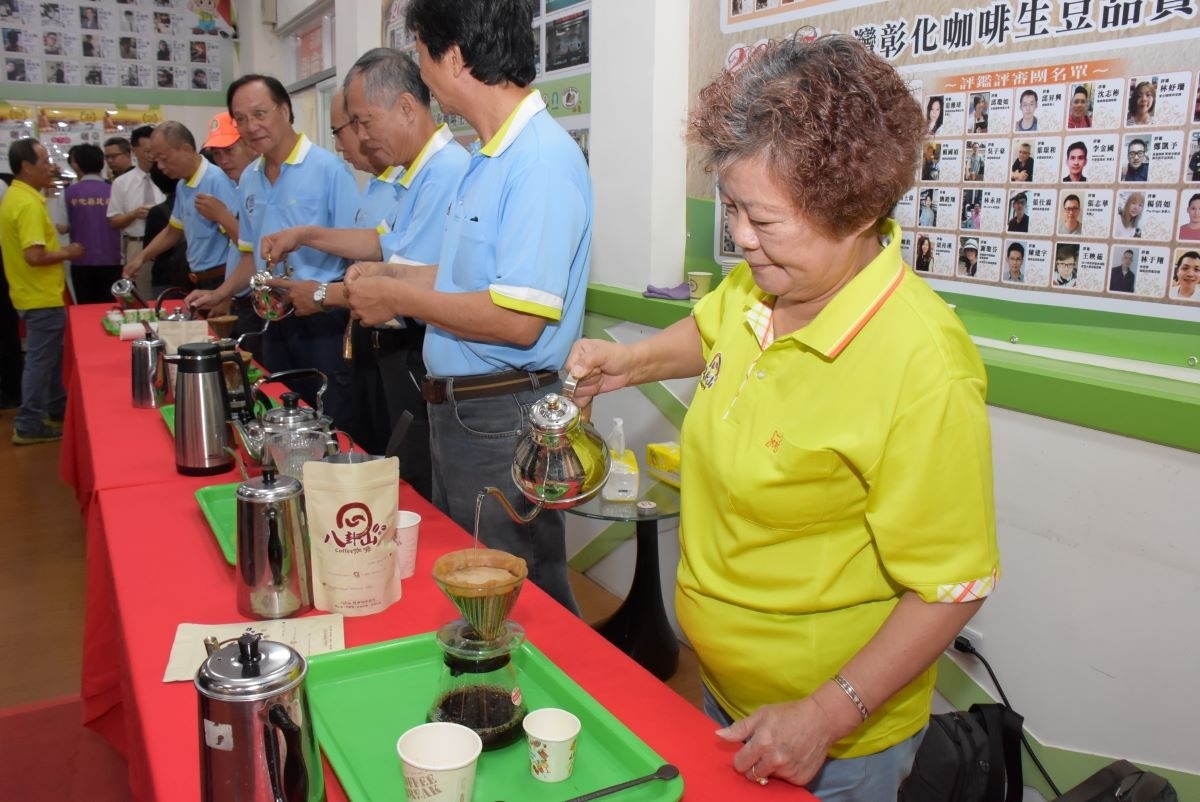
x=837 y=524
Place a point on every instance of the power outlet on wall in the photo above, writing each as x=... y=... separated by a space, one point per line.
x=973 y=635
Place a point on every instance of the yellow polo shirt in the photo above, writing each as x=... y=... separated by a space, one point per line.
x=825 y=474
x=24 y=222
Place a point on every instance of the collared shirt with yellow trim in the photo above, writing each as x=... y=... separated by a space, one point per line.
x=314 y=187
x=379 y=203
x=207 y=243
x=825 y=474
x=25 y=223
x=520 y=228
x=425 y=191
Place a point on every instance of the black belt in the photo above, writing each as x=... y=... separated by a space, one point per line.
x=464 y=388
x=411 y=336
x=135 y=239
x=196 y=276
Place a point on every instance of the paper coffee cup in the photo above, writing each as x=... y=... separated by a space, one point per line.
x=699 y=284
x=439 y=761
x=408 y=524
x=552 y=734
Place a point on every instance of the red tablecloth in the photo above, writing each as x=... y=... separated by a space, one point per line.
x=106 y=441
x=166 y=569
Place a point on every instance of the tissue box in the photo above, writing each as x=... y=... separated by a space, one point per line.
x=662 y=462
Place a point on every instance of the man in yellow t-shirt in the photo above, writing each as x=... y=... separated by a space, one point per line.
x=33 y=265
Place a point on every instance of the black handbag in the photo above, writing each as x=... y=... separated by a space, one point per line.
x=1121 y=781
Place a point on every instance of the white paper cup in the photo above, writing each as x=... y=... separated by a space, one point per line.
x=408 y=524
x=439 y=761
x=552 y=734
x=699 y=284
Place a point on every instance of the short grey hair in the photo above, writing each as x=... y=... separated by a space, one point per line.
x=387 y=74
x=175 y=133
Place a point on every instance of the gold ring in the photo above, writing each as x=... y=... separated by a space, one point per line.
x=757 y=779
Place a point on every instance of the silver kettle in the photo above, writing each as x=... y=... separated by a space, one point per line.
x=257 y=742
x=274 y=566
x=561 y=460
x=252 y=433
x=181 y=312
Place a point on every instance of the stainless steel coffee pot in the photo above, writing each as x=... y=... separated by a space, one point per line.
x=201 y=409
x=274 y=566
x=151 y=382
x=257 y=742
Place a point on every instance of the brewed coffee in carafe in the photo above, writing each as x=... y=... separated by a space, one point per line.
x=479 y=687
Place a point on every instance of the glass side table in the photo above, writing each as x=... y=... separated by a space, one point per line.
x=639 y=627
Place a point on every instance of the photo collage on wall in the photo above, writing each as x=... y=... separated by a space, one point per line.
x=562 y=63
x=1071 y=186
x=133 y=44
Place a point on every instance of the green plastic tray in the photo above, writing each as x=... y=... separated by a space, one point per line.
x=219 y=504
x=364 y=699
x=168 y=415
x=110 y=327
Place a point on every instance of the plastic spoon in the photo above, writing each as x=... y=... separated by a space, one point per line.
x=665 y=772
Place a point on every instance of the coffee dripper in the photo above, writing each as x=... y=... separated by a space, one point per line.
x=479 y=687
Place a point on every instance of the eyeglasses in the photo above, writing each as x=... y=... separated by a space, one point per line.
x=1137 y=153
x=1071 y=208
x=258 y=115
x=338 y=129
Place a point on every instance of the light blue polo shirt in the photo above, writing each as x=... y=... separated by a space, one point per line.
x=520 y=228
x=425 y=191
x=207 y=243
x=377 y=209
x=314 y=187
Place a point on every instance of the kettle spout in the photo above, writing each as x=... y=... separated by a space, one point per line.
x=250 y=436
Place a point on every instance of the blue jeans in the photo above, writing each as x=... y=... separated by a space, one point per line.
x=869 y=778
x=472 y=444
x=42 y=391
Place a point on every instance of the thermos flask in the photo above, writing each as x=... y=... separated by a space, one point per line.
x=257 y=742
x=201 y=407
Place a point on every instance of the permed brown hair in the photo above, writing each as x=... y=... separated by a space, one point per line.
x=835 y=123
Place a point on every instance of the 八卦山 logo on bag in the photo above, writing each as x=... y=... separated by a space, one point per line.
x=355 y=529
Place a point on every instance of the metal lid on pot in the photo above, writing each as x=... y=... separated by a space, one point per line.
x=250 y=669
x=553 y=414
x=290 y=415
x=271 y=486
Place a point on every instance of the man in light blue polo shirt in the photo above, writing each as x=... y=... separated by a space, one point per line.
x=293 y=183
x=173 y=148
x=389 y=104
x=506 y=299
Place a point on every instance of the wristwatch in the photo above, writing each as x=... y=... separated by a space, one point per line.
x=319 y=296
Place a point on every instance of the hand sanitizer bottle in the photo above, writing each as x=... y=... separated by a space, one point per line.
x=622 y=484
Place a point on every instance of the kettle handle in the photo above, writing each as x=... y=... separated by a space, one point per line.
x=170 y=292
x=291 y=374
x=295 y=768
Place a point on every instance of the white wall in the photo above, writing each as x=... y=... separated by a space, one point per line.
x=638 y=159
x=1092 y=629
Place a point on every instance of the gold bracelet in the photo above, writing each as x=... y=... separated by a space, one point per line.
x=845 y=685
